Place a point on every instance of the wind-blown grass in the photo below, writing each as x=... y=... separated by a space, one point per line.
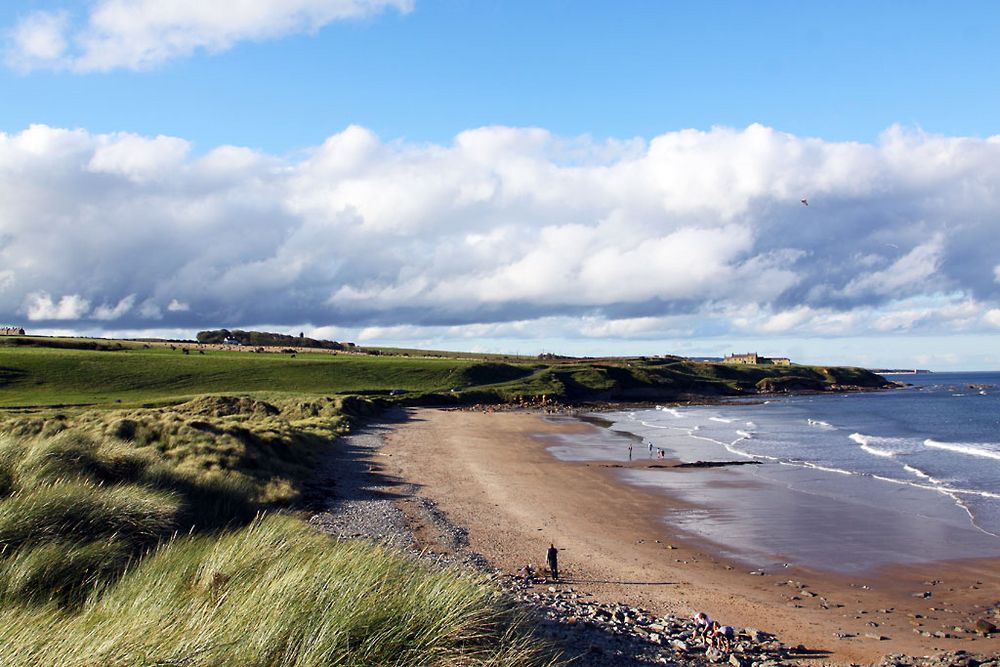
x=274 y=594
x=92 y=571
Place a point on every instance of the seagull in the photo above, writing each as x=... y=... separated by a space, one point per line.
x=805 y=202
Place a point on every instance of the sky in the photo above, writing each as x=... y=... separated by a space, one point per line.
x=814 y=180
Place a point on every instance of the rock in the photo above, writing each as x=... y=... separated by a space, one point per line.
x=737 y=661
x=679 y=646
x=985 y=627
x=715 y=655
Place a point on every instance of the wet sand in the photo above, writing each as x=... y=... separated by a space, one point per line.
x=491 y=474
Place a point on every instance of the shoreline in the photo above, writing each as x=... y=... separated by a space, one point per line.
x=491 y=475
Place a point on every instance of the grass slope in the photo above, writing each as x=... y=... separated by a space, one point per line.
x=49 y=376
x=92 y=571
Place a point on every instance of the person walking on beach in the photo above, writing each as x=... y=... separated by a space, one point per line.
x=630 y=451
x=650 y=443
x=552 y=559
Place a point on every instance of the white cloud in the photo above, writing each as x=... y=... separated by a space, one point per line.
x=138 y=158
x=992 y=317
x=41 y=306
x=505 y=232
x=139 y=34
x=107 y=312
x=913 y=268
x=37 y=39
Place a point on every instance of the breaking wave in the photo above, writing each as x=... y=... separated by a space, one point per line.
x=968 y=448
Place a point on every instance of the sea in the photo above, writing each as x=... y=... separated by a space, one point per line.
x=845 y=482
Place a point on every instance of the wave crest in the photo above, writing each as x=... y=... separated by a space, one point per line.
x=979 y=449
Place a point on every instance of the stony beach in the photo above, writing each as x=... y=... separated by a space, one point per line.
x=388 y=484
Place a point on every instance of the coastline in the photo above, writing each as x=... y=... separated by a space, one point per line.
x=492 y=475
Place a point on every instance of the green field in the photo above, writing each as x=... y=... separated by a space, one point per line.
x=46 y=376
x=135 y=375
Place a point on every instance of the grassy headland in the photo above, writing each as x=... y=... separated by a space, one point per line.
x=133 y=475
x=48 y=373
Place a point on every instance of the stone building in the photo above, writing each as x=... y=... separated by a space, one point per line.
x=750 y=358
x=753 y=359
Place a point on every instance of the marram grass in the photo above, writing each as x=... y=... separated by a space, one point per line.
x=274 y=594
x=92 y=571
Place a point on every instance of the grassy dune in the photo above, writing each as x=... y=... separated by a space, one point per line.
x=92 y=571
x=272 y=594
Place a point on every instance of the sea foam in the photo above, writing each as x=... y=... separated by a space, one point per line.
x=968 y=448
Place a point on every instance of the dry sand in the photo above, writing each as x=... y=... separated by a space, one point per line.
x=493 y=476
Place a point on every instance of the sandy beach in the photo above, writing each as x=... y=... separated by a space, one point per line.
x=492 y=475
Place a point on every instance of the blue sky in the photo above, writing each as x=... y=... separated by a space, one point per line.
x=395 y=168
x=841 y=71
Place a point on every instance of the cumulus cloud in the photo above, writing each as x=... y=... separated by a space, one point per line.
x=41 y=306
x=108 y=312
x=505 y=232
x=139 y=34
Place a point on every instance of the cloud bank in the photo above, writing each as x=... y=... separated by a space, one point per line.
x=140 y=34
x=505 y=233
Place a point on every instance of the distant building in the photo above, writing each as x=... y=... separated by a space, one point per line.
x=230 y=341
x=754 y=359
x=750 y=358
x=11 y=331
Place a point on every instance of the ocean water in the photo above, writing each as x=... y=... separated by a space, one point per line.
x=846 y=482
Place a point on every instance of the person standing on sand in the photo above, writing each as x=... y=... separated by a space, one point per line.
x=630 y=451
x=552 y=559
x=650 y=443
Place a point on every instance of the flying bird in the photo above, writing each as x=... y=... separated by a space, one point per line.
x=805 y=202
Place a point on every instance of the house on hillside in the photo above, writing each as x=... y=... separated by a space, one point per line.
x=754 y=359
x=750 y=358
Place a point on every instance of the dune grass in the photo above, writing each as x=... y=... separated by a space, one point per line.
x=129 y=537
x=274 y=594
x=104 y=486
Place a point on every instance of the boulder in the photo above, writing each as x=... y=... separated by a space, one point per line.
x=715 y=655
x=985 y=627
